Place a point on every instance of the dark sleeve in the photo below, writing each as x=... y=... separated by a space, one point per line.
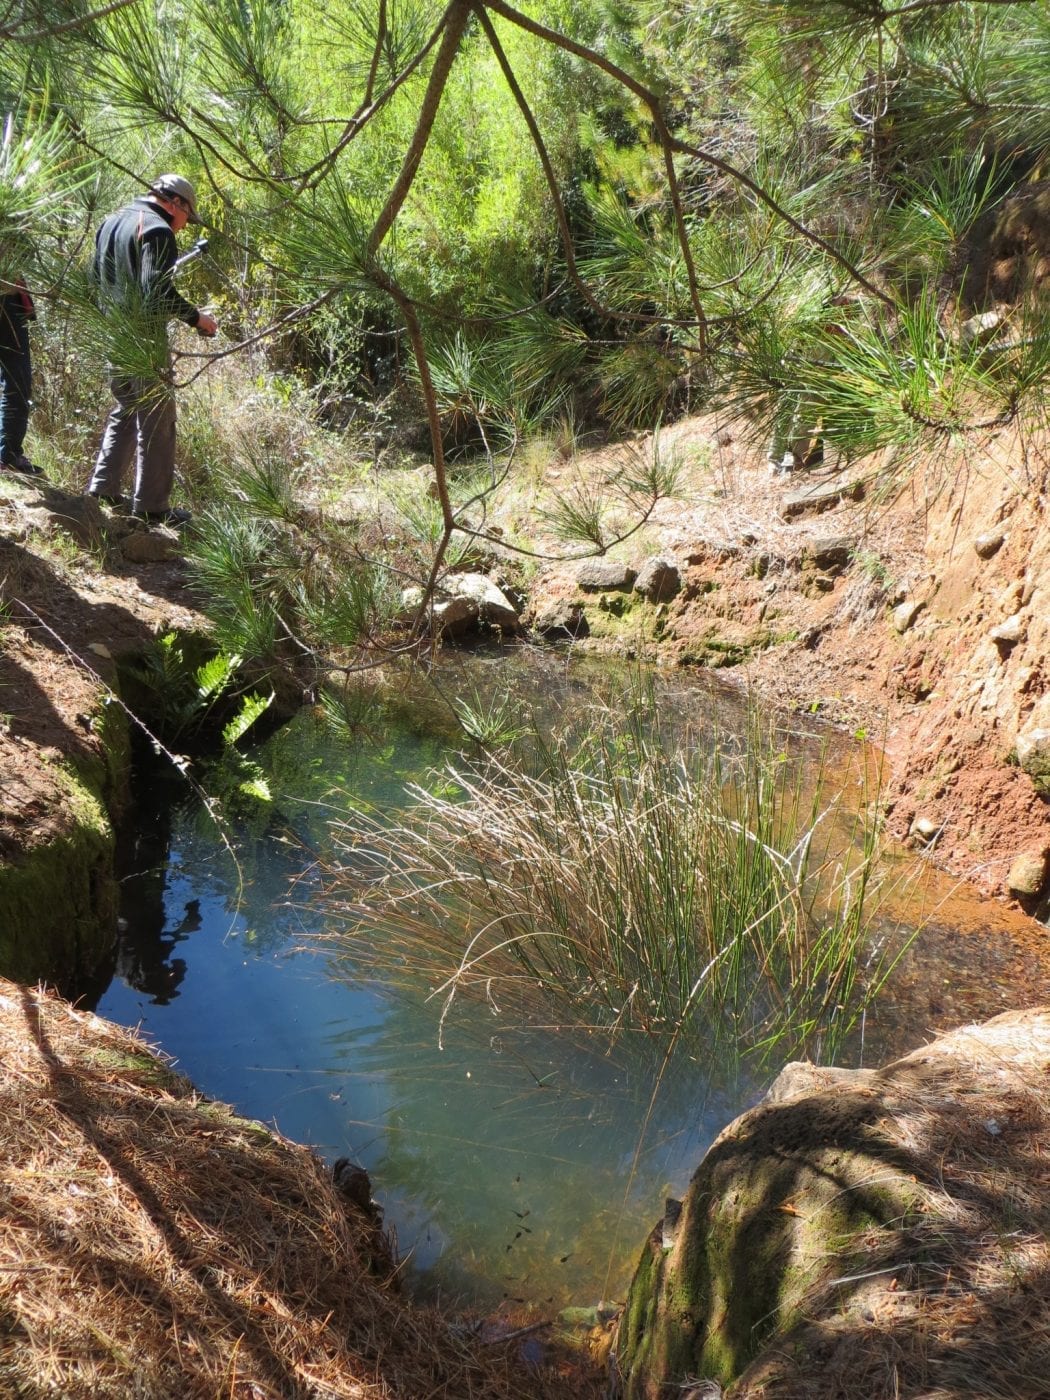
x=158 y=251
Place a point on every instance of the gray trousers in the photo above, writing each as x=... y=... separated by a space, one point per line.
x=141 y=426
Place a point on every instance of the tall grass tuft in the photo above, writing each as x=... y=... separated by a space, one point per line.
x=701 y=895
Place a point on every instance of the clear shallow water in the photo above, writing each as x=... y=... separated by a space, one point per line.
x=514 y=1163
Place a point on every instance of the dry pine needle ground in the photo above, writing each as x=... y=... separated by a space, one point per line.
x=153 y=1244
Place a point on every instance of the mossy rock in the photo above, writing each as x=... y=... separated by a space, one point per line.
x=820 y=1243
x=746 y=1252
x=716 y=651
x=58 y=898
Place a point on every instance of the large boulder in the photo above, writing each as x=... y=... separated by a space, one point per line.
x=869 y=1233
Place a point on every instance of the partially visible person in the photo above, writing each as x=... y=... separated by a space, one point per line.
x=797 y=441
x=135 y=254
x=16 y=376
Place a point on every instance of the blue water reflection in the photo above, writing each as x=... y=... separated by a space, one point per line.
x=515 y=1162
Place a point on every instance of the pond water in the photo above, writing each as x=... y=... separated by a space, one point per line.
x=516 y=1163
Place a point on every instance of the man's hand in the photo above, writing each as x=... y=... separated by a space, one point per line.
x=206 y=325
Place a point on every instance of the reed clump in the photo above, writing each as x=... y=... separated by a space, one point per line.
x=705 y=893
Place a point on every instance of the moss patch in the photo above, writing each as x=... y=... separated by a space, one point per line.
x=58 y=898
x=714 y=650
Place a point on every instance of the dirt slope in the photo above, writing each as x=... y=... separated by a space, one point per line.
x=875 y=611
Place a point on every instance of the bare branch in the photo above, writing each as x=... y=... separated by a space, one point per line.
x=377 y=53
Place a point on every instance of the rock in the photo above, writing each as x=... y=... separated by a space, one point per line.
x=800 y=1077
x=831 y=553
x=493 y=604
x=563 y=619
x=989 y=544
x=904 y=614
x=353 y=1182
x=616 y=605
x=605 y=575
x=816 y=499
x=150 y=546
x=659 y=579
x=980 y=329
x=463 y=602
x=354 y=1186
x=1028 y=873
x=1010 y=632
x=586 y=1317
x=926 y=830
x=77 y=516
x=1033 y=745
x=846 y=1182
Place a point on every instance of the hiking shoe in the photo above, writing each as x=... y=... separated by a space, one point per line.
x=22 y=464
x=175 y=519
x=115 y=501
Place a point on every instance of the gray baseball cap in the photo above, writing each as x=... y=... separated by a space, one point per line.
x=178 y=185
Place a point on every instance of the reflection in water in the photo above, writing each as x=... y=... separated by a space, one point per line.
x=518 y=1162
x=146 y=943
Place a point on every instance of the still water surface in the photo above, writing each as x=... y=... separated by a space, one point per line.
x=521 y=1163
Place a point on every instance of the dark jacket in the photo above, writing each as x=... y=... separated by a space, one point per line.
x=16 y=305
x=135 y=252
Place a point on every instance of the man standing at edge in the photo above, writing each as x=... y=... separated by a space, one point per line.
x=135 y=253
